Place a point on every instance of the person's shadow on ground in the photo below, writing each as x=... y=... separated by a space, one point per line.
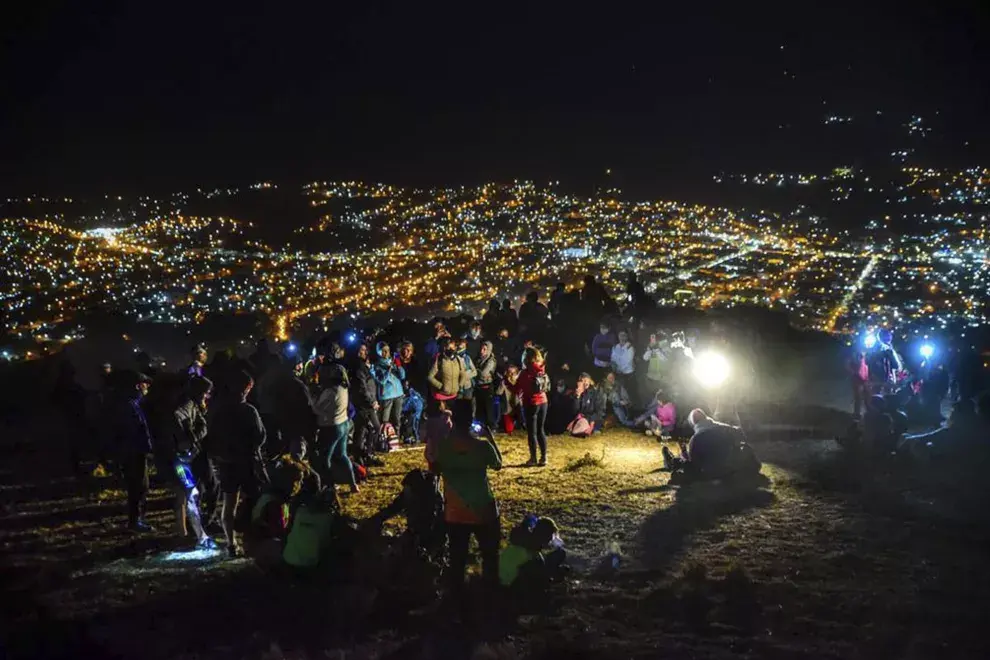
x=697 y=507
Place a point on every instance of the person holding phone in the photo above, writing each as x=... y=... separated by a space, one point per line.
x=462 y=460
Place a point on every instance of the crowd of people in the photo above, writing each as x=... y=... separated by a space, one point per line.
x=261 y=445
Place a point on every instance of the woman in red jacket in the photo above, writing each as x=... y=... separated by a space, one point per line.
x=533 y=387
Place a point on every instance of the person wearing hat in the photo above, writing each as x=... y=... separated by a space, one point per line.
x=131 y=438
x=187 y=433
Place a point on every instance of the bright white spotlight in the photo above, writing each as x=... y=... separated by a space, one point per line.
x=927 y=351
x=711 y=369
x=870 y=340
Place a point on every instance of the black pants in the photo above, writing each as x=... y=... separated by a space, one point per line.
x=135 y=470
x=485 y=399
x=488 y=536
x=365 y=417
x=536 y=420
x=391 y=411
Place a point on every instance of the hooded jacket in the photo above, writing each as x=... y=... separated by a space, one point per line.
x=467 y=374
x=388 y=376
x=486 y=367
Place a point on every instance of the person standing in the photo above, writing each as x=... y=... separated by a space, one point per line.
x=188 y=431
x=533 y=387
x=445 y=374
x=330 y=407
x=474 y=338
x=623 y=362
x=859 y=377
x=364 y=394
x=465 y=391
x=235 y=437
x=534 y=317
x=199 y=357
x=413 y=387
x=389 y=376
x=132 y=438
x=601 y=348
x=655 y=357
x=484 y=387
x=462 y=460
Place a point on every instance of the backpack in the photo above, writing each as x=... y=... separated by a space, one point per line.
x=424 y=510
x=542 y=382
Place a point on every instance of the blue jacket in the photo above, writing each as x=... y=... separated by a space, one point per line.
x=389 y=377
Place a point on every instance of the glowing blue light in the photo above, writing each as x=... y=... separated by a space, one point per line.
x=351 y=337
x=291 y=348
x=927 y=350
x=869 y=341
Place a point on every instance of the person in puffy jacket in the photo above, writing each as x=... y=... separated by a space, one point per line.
x=446 y=373
x=466 y=389
x=533 y=387
x=389 y=376
x=484 y=385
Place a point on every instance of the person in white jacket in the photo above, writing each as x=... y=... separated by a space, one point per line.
x=624 y=363
x=330 y=407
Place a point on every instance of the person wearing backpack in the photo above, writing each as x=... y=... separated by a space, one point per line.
x=533 y=388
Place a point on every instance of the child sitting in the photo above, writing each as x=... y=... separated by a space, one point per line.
x=533 y=559
x=660 y=416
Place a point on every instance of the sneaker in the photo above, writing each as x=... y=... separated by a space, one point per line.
x=649 y=432
x=206 y=543
x=141 y=527
x=543 y=461
x=668 y=459
x=531 y=462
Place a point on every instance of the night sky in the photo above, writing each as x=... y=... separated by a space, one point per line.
x=141 y=96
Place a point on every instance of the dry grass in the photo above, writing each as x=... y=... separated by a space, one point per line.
x=788 y=570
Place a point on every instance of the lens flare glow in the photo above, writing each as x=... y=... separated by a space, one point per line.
x=870 y=340
x=711 y=369
x=927 y=350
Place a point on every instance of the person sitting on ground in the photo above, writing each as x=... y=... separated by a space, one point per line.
x=588 y=406
x=422 y=503
x=463 y=460
x=660 y=417
x=310 y=535
x=533 y=559
x=715 y=451
x=561 y=408
x=961 y=432
x=617 y=396
x=513 y=405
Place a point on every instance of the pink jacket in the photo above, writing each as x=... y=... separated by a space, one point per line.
x=667 y=414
